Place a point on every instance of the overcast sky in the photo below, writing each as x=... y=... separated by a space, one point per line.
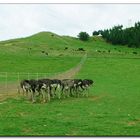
x=20 y=20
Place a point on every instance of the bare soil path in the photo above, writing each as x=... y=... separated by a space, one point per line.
x=73 y=71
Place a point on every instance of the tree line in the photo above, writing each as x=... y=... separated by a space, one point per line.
x=118 y=35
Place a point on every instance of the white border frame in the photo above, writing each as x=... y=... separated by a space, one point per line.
x=71 y=1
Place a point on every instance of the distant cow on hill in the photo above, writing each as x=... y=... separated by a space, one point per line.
x=80 y=49
x=135 y=53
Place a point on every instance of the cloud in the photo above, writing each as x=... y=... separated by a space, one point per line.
x=19 y=20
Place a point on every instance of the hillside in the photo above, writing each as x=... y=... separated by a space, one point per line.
x=39 y=51
x=54 y=44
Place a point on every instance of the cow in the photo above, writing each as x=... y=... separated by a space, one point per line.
x=25 y=87
x=66 y=85
x=44 y=88
x=29 y=87
x=55 y=84
x=33 y=87
x=86 y=83
x=75 y=87
x=47 y=88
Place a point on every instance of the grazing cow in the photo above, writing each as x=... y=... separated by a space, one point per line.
x=76 y=84
x=134 y=52
x=33 y=87
x=44 y=88
x=46 y=53
x=80 y=49
x=66 y=48
x=29 y=86
x=85 y=84
x=43 y=51
x=56 y=84
x=66 y=84
x=25 y=86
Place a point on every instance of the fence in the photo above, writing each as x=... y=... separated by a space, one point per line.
x=9 y=81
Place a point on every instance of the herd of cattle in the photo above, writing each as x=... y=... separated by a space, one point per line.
x=46 y=88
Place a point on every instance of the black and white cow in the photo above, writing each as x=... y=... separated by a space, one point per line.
x=44 y=88
x=86 y=83
x=76 y=86
x=55 y=84
x=29 y=87
x=67 y=85
x=48 y=87
x=25 y=87
x=33 y=87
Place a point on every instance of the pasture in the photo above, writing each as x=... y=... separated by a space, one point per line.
x=112 y=108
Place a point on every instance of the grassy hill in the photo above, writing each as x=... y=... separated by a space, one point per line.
x=50 y=42
x=112 y=108
x=34 y=51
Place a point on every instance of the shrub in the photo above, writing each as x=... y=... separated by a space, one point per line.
x=83 y=36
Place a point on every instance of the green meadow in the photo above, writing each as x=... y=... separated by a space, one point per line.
x=112 y=108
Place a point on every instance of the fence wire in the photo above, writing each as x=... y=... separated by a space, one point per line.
x=9 y=81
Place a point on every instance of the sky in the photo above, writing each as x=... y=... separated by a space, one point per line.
x=21 y=20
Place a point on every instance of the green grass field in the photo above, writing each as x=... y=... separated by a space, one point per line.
x=112 y=108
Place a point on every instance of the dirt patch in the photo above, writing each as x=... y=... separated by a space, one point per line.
x=26 y=130
x=10 y=91
x=72 y=72
x=131 y=123
x=94 y=98
x=5 y=96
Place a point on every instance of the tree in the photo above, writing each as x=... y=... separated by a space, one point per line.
x=83 y=36
x=123 y=36
x=95 y=33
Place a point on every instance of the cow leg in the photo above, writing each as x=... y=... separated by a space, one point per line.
x=72 y=90
x=62 y=91
x=59 y=92
x=33 y=97
x=40 y=95
x=44 y=95
x=68 y=93
x=77 y=93
x=48 y=94
x=59 y=95
x=29 y=96
x=55 y=90
x=87 y=92
x=53 y=94
x=65 y=92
